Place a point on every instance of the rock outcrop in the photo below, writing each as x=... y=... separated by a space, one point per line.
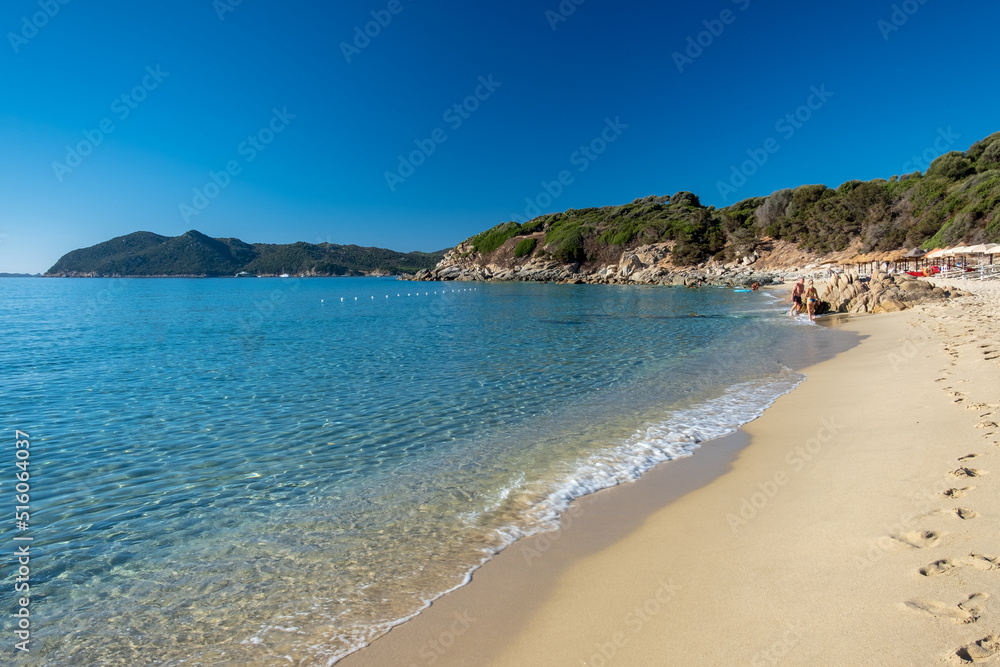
x=882 y=293
x=646 y=265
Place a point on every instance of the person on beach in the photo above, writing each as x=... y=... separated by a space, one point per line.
x=755 y=287
x=812 y=300
x=797 y=293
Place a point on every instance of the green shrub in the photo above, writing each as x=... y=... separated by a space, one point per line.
x=990 y=158
x=953 y=166
x=993 y=231
x=524 y=247
x=493 y=238
x=623 y=237
x=566 y=244
x=531 y=226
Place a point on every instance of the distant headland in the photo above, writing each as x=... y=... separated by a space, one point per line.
x=193 y=254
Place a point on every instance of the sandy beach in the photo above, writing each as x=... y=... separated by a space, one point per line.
x=854 y=523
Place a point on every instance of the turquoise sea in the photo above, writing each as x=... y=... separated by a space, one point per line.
x=276 y=471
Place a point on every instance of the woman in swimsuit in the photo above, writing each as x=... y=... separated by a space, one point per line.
x=812 y=299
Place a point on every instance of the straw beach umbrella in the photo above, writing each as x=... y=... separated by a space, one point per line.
x=893 y=257
x=916 y=254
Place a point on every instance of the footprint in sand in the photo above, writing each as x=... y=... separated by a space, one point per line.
x=957 y=493
x=977 y=561
x=919 y=539
x=983 y=650
x=959 y=512
x=967 y=472
x=986 y=425
x=967 y=611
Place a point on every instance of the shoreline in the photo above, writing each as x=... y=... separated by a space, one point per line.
x=587 y=580
x=613 y=511
x=591 y=523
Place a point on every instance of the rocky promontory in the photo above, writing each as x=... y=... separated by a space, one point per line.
x=846 y=290
x=645 y=265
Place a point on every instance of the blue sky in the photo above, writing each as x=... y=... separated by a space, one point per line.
x=308 y=128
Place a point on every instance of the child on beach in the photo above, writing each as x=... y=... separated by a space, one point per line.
x=812 y=300
x=797 y=293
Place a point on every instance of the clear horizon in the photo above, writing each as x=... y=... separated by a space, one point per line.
x=402 y=125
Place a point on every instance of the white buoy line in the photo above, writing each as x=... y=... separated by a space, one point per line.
x=412 y=294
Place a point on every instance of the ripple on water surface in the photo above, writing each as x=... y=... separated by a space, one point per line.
x=252 y=471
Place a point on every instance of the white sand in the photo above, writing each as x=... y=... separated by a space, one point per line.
x=860 y=527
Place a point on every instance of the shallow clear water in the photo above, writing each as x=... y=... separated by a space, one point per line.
x=254 y=471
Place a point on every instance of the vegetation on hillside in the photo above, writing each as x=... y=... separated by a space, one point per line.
x=195 y=254
x=956 y=200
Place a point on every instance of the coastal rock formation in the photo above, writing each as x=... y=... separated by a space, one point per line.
x=882 y=293
x=646 y=265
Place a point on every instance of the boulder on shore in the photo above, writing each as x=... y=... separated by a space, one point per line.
x=881 y=293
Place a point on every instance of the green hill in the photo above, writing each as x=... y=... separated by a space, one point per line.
x=194 y=254
x=956 y=200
